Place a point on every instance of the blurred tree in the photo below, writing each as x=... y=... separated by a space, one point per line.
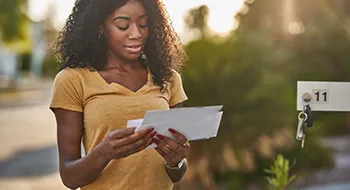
x=50 y=33
x=316 y=36
x=253 y=73
x=13 y=19
x=244 y=76
x=321 y=54
x=197 y=20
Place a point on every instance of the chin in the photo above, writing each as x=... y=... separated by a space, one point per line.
x=134 y=57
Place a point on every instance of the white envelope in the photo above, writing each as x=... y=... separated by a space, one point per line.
x=195 y=123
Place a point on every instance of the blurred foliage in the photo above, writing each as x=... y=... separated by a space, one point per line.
x=253 y=72
x=197 y=20
x=25 y=62
x=280 y=174
x=13 y=21
x=15 y=33
x=50 y=66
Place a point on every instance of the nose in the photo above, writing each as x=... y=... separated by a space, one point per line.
x=135 y=33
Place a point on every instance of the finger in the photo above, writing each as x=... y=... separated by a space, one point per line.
x=167 y=154
x=121 y=133
x=180 y=137
x=169 y=158
x=172 y=145
x=127 y=138
x=163 y=147
x=134 y=138
x=133 y=151
x=138 y=140
x=160 y=152
x=134 y=147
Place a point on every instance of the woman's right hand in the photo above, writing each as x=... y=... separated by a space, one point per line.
x=124 y=142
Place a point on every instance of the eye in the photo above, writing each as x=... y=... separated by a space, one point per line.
x=122 y=24
x=143 y=22
x=123 y=28
x=143 y=26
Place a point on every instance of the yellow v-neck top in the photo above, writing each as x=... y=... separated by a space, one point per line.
x=107 y=107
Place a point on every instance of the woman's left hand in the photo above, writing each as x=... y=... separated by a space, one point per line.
x=172 y=152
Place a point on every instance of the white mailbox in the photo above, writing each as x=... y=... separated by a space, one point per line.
x=326 y=96
x=319 y=96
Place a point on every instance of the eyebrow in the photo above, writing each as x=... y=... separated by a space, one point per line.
x=128 y=18
x=121 y=17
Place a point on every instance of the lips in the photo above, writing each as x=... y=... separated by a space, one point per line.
x=134 y=48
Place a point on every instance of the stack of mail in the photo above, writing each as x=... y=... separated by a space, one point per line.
x=195 y=123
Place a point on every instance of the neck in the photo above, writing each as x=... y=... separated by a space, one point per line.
x=115 y=62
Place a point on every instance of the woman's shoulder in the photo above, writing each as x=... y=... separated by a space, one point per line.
x=175 y=76
x=175 y=79
x=70 y=72
x=73 y=75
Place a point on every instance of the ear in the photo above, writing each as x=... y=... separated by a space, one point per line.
x=101 y=33
x=101 y=30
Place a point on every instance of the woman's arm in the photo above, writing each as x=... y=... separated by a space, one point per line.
x=178 y=174
x=76 y=171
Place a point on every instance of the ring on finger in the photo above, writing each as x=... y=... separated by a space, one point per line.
x=186 y=144
x=167 y=146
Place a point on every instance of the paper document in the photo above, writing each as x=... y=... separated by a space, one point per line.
x=195 y=123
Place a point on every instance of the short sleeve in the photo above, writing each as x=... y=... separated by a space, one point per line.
x=177 y=92
x=67 y=91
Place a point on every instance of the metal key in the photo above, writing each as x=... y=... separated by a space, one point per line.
x=302 y=117
x=305 y=118
x=302 y=141
x=300 y=130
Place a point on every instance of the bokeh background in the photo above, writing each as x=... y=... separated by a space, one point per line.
x=247 y=55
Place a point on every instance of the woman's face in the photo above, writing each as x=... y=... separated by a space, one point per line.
x=126 y=30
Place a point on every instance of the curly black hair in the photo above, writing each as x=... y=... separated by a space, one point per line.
x=79 y=45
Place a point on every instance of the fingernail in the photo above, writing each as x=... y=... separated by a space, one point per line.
x=149 y=130
x=161 y=136
x=153 y=133
x=172 y=131
x=156 y=141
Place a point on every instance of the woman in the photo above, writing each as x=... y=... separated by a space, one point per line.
x=118 y=61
